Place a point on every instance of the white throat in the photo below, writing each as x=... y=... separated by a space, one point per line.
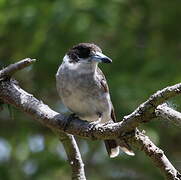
x=81 y=66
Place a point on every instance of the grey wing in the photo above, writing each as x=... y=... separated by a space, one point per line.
x=105 y=88
x=103 y=83
x=112 y=145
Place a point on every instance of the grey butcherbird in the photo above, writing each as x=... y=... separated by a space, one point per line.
x=84 y=91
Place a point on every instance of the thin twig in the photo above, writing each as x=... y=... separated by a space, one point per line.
x=12 y=68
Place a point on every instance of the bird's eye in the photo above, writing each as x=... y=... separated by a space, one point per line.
x=83 y=52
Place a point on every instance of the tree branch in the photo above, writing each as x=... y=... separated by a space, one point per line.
x=168 y=113
x=73 y=155
x=12 y=68
x=146 y=111
x=11 y=93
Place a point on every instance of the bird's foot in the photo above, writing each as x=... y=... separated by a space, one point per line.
x=98 y=121
x=68 y=121
x=106 y=123
x=94 y=122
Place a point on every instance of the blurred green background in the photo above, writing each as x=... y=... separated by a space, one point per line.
x=144 y=40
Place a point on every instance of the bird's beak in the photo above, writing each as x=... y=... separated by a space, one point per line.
x=99 y=57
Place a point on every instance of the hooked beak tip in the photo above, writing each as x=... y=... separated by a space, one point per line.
x=106 y=60
x=101 y=58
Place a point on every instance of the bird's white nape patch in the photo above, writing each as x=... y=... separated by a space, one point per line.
x=68 y=64
x=66 y=59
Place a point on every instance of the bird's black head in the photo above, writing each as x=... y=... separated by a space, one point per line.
x=82 y=50
x=86 y=51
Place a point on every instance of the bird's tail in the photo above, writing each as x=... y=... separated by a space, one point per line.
x=112 y=148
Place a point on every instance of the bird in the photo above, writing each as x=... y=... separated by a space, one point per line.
x=83 y=89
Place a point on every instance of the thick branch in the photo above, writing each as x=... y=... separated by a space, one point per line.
x=143 y=143
x=168 y=113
